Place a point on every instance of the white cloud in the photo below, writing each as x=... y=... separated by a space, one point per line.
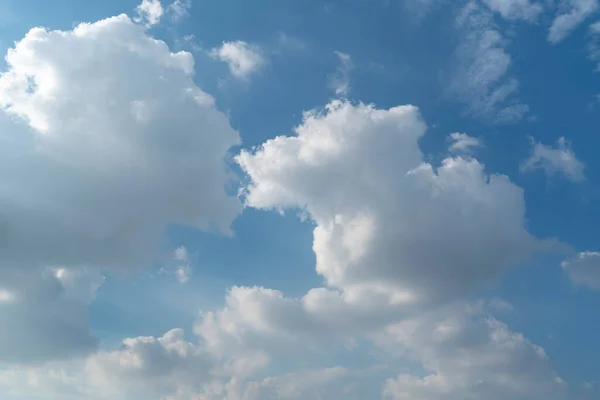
x=359 y=174
x=81 y=188
x=243 y=59
x=470 y=356
x=463 y=143
x=149 y=12
x=555 y=160
x=179 y=9
x=147 y=366
x=340 y=81
x=584 y=269
x=169 y=368
x=516 y=9
x=104 y=141
x=572 y=13
x=380 y=209
x=481 y=79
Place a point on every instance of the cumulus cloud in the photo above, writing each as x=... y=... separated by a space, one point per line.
x=166 y=367
x=242 y=58
x=584 y=269
x=516 y=9
x=108 y=141
x=463 y=143
x=559 y=160
x=572 y=13
x=469 y=356
x=104 y=141
x=481 y=79
x=359 y=174
x=149 y=12
x=340 y=81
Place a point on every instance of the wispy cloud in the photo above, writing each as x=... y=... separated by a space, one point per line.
x=555 y=160
x=463 y=143
x=340 y=80
x=179 y=9
x=481 y=79
x=516 y=9
x=571 y=14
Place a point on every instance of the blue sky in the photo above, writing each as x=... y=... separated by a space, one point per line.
x=260 y=200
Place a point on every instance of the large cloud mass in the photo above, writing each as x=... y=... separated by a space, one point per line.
x=386 y=222
x=104 y=140
x=119 y=143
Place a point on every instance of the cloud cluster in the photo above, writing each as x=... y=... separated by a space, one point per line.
x=106 y=139
x=470 y=357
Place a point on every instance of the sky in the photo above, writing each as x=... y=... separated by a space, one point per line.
x=350 y=199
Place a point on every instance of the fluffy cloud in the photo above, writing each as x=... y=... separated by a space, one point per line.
x=169 y=368
x=109 y=141
x=559 y=160
x=584 y=269
x=149 y=12
x=481 y=79
x=104 y=141
x=146 y=366
x=469 y=356
x=571 y=14
x=243 y=59
x=516 y=9
x=359 y=174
